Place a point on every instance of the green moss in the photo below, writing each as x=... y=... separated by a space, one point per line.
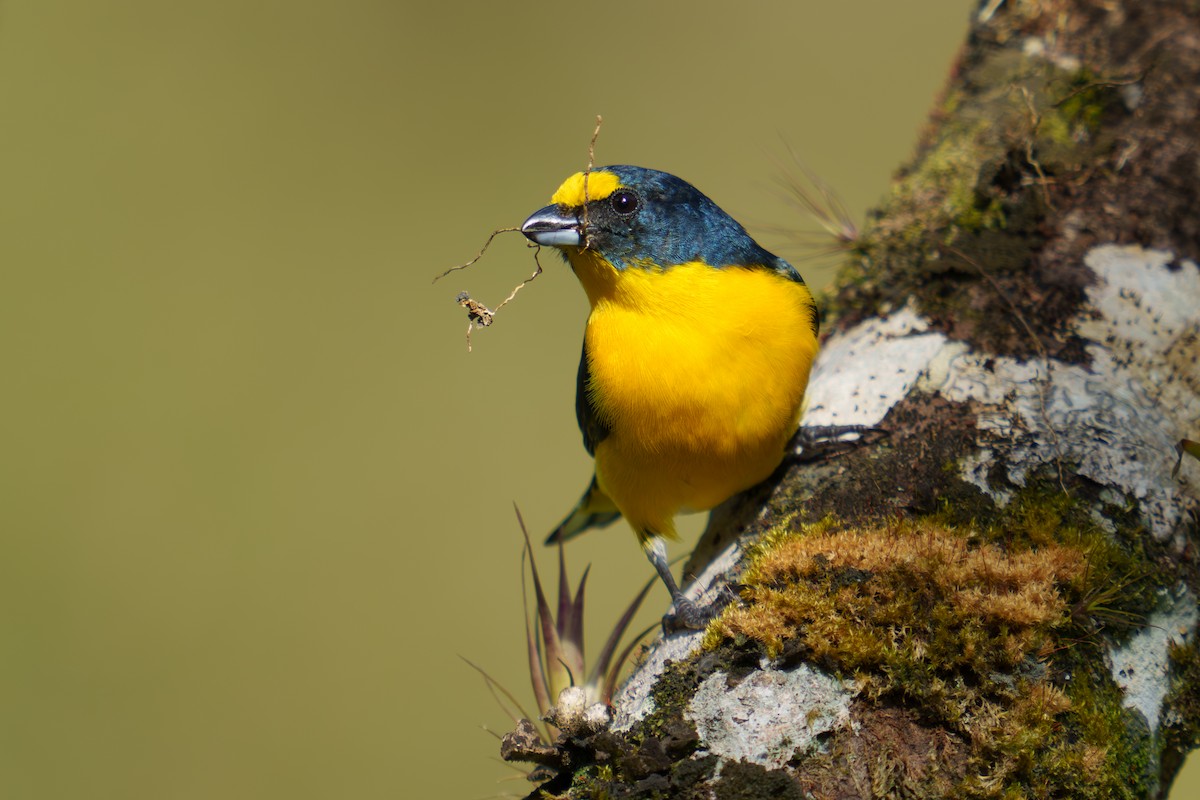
x=1122 y=579
x=982 y=621
x=1100 y=719
x=1090 y=99
x=592 y=782
x=677 y=684
x=1121 y=582
x=974 y=202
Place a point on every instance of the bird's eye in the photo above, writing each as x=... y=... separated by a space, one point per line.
x=624 y=202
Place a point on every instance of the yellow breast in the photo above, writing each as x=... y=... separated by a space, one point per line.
x=699 y=374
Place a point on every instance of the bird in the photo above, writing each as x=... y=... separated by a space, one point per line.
x=696 y=353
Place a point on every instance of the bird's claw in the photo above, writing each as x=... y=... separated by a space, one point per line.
x=689 y=616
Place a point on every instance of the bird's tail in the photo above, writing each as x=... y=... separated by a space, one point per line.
x=595 y=510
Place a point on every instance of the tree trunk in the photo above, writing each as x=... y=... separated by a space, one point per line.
x=999 y=599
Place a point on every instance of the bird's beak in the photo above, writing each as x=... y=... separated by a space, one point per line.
x=553 y=227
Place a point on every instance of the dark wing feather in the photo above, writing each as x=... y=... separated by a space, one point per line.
x=593 y=428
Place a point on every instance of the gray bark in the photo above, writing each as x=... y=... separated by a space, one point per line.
x=1023 y=318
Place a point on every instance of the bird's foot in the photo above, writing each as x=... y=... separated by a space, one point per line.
x=822 y=441
x=690 y=616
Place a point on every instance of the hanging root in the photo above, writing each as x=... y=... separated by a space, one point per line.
x=536 y=251
x=479 y=314
x=478 y=255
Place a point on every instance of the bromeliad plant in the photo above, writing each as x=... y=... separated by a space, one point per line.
x=554 y=646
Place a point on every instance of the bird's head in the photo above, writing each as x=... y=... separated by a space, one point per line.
x=634 y=217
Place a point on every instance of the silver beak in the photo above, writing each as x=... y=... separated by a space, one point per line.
x=549 y=226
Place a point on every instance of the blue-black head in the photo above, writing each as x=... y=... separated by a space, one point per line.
x=642 y=218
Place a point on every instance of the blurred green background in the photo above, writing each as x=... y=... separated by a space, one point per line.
x=256 y=497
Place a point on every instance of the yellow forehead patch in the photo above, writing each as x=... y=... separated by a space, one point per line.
x=600 y=185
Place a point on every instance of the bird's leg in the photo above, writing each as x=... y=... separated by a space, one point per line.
x=688 y=615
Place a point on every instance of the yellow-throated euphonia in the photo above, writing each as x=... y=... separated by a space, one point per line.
x=695 y=357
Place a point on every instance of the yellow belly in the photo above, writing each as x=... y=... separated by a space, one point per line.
x=699 y=374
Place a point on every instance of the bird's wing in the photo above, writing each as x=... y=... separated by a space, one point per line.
x=594 y=510
x=594 y=429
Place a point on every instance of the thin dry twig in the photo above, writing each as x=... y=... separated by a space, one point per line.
x=587 y=241
x=478 y=255
x=592 y=144
x=1035 y=119
x=1111 y=84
